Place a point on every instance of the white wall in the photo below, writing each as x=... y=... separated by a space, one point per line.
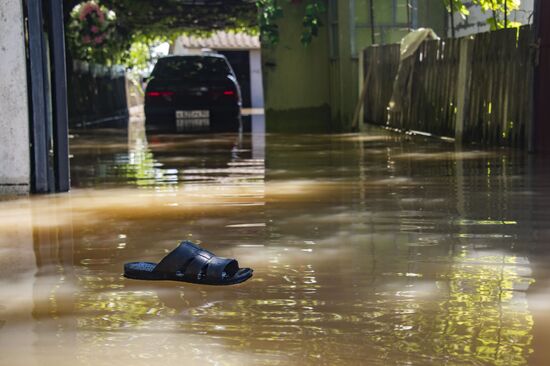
x=476 y=22
x=256 y=84
x=14 y=113
x=177 y=48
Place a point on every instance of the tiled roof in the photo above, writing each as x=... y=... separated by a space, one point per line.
x=221 y=41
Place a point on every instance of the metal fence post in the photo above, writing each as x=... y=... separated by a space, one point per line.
x=59 y=92
x=40 y=182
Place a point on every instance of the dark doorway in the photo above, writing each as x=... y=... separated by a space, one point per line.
x=240 y=62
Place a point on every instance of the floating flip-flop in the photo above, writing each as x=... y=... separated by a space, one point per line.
x=190 y=263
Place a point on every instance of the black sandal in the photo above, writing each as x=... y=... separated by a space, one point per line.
x=190 y=263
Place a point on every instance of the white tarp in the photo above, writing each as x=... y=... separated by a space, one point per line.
x=413 y=40
x=409 y=45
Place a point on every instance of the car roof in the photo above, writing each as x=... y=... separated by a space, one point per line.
x=216 y=55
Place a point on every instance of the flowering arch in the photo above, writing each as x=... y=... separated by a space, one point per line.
x=90 y=28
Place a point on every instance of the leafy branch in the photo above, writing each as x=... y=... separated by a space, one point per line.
x=270 y=11
x=312 y=20
x=499 y=9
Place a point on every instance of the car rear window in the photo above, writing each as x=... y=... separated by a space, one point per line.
x=191 y=68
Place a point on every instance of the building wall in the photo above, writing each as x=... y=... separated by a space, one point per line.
x=296 y=83
x=476 y=22
x=430 y=14
x=14 y=119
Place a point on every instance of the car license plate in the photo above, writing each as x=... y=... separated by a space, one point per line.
x=197 y=120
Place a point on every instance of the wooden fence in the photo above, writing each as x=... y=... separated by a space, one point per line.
x=475 y=89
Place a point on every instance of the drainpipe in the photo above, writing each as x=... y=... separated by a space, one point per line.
x=452 y=14
x=373 y=38
x=409 y=14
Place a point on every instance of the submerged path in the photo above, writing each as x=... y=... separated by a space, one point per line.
x=370 y=249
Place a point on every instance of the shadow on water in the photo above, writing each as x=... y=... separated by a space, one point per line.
x=367 y=249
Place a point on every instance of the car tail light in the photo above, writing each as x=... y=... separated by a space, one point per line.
x=164 y=93
x=222 y=94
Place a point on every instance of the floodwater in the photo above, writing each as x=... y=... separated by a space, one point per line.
x=369 y=249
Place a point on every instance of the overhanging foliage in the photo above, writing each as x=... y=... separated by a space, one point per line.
x=145 y=22
x=148 y=22
x=499 y=10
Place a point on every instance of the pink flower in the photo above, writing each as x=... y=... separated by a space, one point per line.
x=86 y=39
x=98 y=40
x=87 y=9
x=94 y=29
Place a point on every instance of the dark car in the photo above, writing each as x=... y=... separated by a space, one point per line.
x=195 y=93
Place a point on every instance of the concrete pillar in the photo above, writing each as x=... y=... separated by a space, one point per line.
x=344 y=71
x=14 y=116
x=256 y=85
x=257 y=99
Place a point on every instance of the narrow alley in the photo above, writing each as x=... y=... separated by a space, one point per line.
x=366 y=250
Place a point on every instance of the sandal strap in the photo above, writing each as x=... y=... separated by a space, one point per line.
x=196 y=267
x=218 y=266
x=179 y=258
x=192 y=261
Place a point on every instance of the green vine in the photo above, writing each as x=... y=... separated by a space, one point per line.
x=312 y=21
x=270 y=11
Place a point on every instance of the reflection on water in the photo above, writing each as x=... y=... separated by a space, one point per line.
x=367 y=249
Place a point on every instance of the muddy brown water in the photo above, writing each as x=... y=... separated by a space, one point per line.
x=368 y=249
